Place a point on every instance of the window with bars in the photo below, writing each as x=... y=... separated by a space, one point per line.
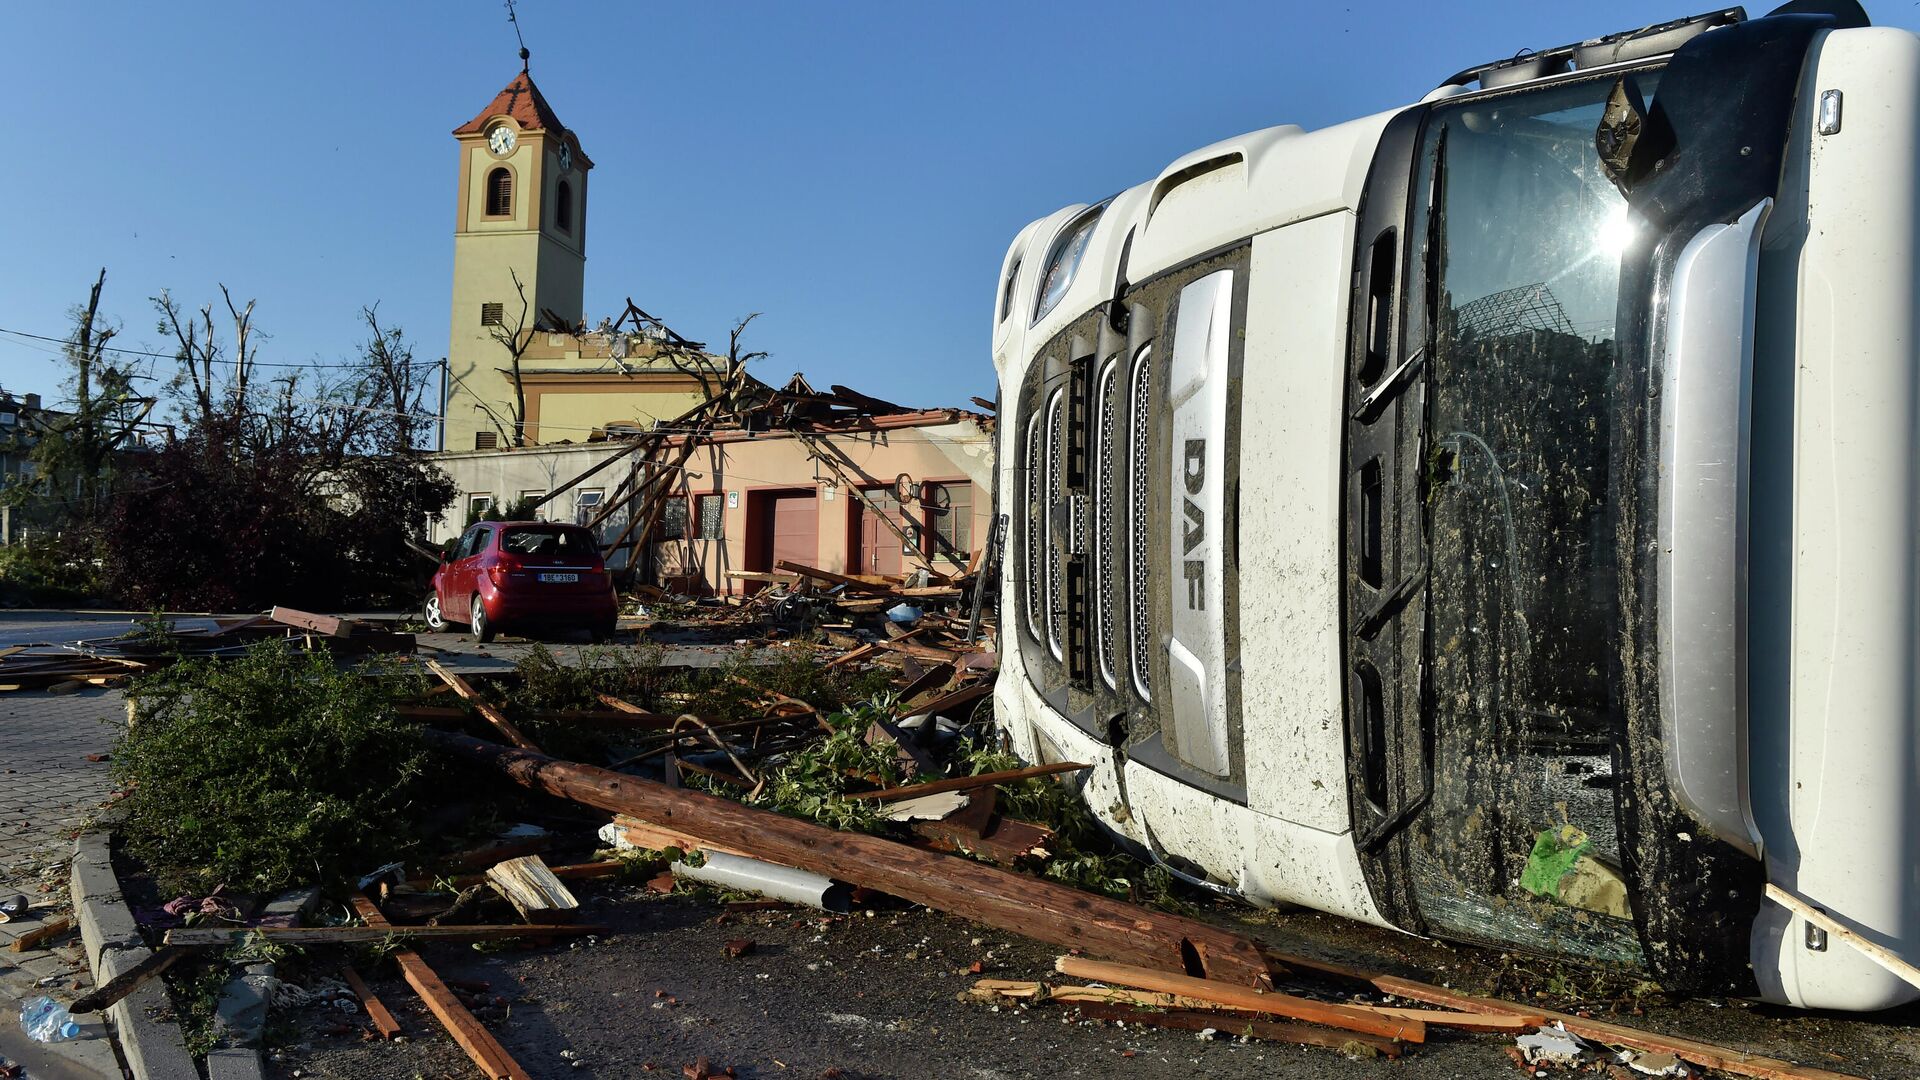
x=950 y=519
x=486 y=440
x=673 y=521
x=500 y=192
x=710 y=516
x=493 y=314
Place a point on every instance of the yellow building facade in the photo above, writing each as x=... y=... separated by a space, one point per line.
x=519 y=269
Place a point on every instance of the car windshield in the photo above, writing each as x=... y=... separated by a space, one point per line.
x=1523 y=234
x=554 y=543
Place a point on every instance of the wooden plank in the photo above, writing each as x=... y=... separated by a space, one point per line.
x=954 y=699
x=128 y=981
x=493 y=716
x=1265 y=1030
x=330 y=625
x=52 y=928
x=466 y=1030
x=849 y=657
x=1873 y=951
x=377 y=1010
x=349 y=935
x=533 y=890
x=1459 y=1021
x=1004 y=840
x=654 y=838
x=968 y=783
x=1706 y=1055
x=853 y=584
x=1221 y=993
x=1034 y=907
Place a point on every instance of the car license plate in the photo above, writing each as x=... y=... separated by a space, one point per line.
x=560 y=578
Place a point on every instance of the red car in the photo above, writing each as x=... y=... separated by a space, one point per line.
x=523 y=574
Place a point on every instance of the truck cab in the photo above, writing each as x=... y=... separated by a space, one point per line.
x=1518 y=483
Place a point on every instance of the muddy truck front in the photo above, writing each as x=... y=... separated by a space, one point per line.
x=1496 y=518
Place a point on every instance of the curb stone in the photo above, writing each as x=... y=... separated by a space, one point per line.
x=154 y=1050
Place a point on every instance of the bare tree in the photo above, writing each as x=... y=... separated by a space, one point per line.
x=515 y=340
x=214 y=385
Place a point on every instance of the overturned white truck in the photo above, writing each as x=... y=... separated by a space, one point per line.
x=1497 y=518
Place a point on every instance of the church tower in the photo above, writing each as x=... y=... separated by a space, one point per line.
x=521 y=211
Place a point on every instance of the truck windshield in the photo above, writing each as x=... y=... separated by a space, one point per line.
x=1522 y=234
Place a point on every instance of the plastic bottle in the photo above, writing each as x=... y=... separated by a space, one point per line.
x=46 y=1020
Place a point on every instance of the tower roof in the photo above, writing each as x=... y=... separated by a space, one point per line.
x=523 y=102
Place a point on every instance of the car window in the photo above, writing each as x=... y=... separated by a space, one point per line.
x=474 y=541
x=550 y=542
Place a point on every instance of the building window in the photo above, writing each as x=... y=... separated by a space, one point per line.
x=539 y=512
x=673 y=520
x=493 y=314
x=950 y=519
x=710 y=516
x=563 y=206
x=478 y=505
x=586 y=503
x=500 y=192
x=486 y=440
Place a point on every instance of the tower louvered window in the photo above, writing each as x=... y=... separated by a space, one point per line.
x=500 y=192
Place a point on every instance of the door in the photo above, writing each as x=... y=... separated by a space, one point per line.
x=456 y=584
x=786 y=527
x=879 y=547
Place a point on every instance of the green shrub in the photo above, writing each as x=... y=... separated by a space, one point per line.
x=48 y=570
x=274 y=769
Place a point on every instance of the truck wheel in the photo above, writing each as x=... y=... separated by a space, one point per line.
x=481 y=625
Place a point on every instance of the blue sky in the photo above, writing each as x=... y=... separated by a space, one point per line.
x=852 y=171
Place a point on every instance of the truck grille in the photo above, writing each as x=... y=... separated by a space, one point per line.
x=1055 y=475
x=1106 y=602
x=1033 y=558
x=1139 y=447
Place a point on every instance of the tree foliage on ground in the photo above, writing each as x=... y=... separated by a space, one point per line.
x=296 y=486
x=274 y=769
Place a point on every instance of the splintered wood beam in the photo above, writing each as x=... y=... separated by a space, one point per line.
x=482 y=706
x=377 y=1010
x=465 y=1028
x=532 y=889
x=968 y=783
x=1240 y=997
x=1033 y=907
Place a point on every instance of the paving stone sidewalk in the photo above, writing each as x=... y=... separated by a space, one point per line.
x=47 y=788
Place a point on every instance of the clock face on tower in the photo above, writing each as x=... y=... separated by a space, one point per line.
x=500 y=140
x=566 y=157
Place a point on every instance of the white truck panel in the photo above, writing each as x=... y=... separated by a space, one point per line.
x=1290 y=521
x=1838 y=813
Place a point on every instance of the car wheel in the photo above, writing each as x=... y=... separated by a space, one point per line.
x=481 y=625
x=431 y=614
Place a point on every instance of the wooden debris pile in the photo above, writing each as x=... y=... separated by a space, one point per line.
x=109 y=661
